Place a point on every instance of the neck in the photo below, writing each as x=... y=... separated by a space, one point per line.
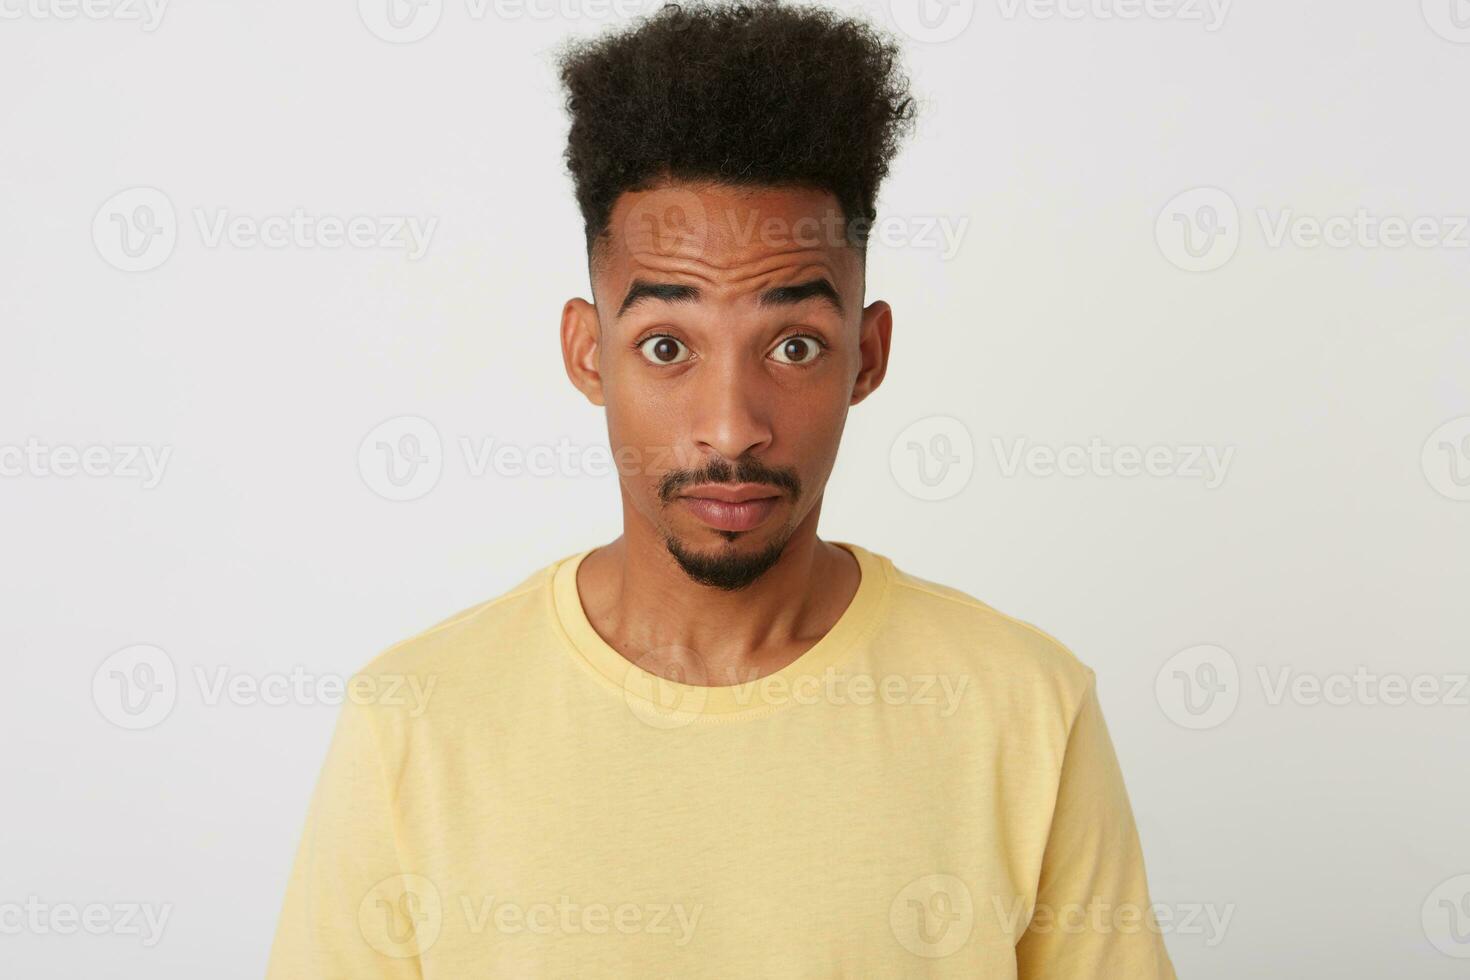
x=648 y=609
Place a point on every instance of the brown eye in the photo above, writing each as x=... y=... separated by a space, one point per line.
x=663 y=349
x=797 y=350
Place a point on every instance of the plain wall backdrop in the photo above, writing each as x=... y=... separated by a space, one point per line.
x=1220 y=246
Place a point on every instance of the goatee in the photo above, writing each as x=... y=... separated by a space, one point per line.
x=728 y=572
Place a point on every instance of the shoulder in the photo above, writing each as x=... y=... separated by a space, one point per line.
x=464 y=638
x=1007 y=651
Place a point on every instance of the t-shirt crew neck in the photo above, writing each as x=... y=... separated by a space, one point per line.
x=660 y=695
x=929 y=789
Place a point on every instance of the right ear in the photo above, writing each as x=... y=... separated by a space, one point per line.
x=579 y=348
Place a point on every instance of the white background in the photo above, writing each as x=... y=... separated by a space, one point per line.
x=1332 y=834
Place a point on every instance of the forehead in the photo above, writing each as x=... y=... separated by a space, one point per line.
x=728 y=241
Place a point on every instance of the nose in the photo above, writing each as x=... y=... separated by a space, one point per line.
x=731 y=412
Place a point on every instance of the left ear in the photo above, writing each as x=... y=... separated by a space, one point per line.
x=875 y=332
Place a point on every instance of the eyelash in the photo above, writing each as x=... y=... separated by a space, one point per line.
x=822 y=346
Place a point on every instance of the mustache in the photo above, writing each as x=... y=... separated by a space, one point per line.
x=747 y=469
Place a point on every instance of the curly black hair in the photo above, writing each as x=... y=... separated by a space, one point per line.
x=743 y=93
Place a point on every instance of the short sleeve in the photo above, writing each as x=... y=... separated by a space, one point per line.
x=349 y=912
x=1093 y=918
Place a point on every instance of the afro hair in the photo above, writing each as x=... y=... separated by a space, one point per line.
x=744 y=93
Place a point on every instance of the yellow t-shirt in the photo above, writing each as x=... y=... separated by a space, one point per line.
x=930 y=790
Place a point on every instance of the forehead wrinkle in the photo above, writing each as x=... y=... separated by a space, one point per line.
x=807 y=258
x=737 y=273
x=669 y=264
x=699 y=257
x=742 y=270
x=779 y=261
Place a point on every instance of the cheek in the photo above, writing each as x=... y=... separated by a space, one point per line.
x=640 y=435
x=814 y=427
x=626 y=436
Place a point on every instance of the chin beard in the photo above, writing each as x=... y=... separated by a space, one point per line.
x=726 y=571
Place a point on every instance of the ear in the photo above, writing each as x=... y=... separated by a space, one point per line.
x=875 y=332
x=579 y=348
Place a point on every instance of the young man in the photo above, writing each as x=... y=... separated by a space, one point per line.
x=720 y=746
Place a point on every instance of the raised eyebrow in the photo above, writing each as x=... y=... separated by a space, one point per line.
x=800 y=293
x=669 y=292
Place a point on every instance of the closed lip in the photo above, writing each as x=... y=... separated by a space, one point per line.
x=738 y=493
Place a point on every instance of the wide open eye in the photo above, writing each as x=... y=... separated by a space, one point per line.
x=663 y=349
x=798 y=349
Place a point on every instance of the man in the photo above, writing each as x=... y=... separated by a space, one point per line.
x=720 y=746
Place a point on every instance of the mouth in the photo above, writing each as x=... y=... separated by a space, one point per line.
x=731 y=508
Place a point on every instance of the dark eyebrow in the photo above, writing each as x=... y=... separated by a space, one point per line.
x=800 y=293
x=669 y=292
